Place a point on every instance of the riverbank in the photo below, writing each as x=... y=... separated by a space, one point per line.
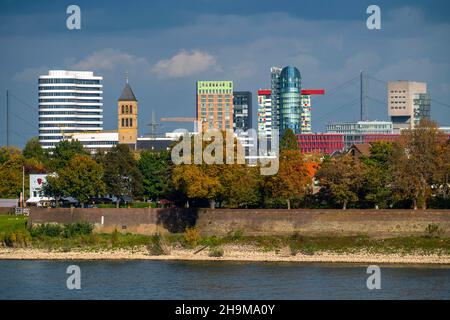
x=230 y=253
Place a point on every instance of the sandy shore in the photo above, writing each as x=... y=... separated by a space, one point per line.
x=231 y=253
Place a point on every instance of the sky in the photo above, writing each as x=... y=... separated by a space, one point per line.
x=166 y=46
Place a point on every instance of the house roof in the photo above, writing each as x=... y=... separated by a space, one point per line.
x=363 y=149
x=127 y=94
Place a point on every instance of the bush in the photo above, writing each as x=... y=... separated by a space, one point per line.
x=434 y=231
x=19 y=238
x=47 y=229
x=216 y=252
x=158 y=246
x=77 y=229
x=115 y=238
x=192 y=236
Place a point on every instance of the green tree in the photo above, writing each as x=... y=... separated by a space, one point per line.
x=420 y=163
x=289 y=141
x=63 y=152
x=341 y=178
x=33 y=149
x=122 y=176
x=241 y=186
x=81 y=178
x=376 y=172
x=155 y=168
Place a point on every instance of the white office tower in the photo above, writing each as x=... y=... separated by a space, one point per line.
x=69 y=102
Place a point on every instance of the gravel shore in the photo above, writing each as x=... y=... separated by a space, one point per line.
x=231 y=253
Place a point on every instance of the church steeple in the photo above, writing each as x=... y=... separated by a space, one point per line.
x=127 y=116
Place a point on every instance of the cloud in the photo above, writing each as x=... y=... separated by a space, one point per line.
x=30 y=74
x=184 y=64
x=109 y=59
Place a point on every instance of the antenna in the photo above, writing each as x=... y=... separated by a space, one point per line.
x=7 y=117
x=153 y=124
x=126 y=76
x=363 y=95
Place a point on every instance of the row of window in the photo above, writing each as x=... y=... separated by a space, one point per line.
x=70 y=119
x=70 y=125
x=42 y=107
x=81 y=113
x=79 y=88
x=126 y=109
x=127 y=122
x=77 y=81
x=70 y=100
x=69 y=94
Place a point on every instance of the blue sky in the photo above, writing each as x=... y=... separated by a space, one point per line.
x=168 y=45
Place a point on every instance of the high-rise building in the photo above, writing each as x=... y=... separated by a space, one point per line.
x=289 y=100
x=408 y=103
x=127 y=117
x=306 y=107
x=215 y=105
x=265 y=113
x=275 y=89
x=242 y=110
x=69 y=102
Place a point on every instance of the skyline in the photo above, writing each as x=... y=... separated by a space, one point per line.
x=165 y=53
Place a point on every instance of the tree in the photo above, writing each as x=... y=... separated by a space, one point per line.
x=241 y=186
x=376 y=172
x=197 y=181
x=81 y=178
x=11 y=176
x=122 y=176
x=292 y=179
x=155 y=168
x=289 y=141
x=7 y=152
x=33 y=149
x=420 y=163
x=341 y=178
x=63 y=152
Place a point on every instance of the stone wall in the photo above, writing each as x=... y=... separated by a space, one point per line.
x=376 y=223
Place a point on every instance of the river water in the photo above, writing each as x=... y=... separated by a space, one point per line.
x=218 y=280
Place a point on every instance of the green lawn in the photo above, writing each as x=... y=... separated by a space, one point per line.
x=11 y=223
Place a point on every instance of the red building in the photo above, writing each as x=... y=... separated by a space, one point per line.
x=327 y=143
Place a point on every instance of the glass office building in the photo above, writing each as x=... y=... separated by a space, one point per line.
x=242 y=110
x=290 y=97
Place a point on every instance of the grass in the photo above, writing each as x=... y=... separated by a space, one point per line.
x=11 y=223
x=15 y=227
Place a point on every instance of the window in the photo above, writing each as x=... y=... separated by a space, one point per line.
x=131 y=109
x=126 y=122
x=123 y=109
x=131 y=122
x=123 y=122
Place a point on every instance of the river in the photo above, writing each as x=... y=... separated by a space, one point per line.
x=218 y=280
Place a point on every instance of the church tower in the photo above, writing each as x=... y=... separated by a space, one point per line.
x=128 y=112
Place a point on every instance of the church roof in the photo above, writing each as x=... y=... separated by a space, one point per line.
x=127 y=94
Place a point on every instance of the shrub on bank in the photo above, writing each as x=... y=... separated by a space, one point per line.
x=192 y=237
x=216 y=252
x=77 y=229
x=158 y=246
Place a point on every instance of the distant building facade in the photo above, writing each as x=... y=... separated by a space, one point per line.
x=215 y=105
x=290 y=82
x=361 y=127
x=69 y=102
x=275 y=98
x=408 y=103
x=242 y=110
x=264 y=116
